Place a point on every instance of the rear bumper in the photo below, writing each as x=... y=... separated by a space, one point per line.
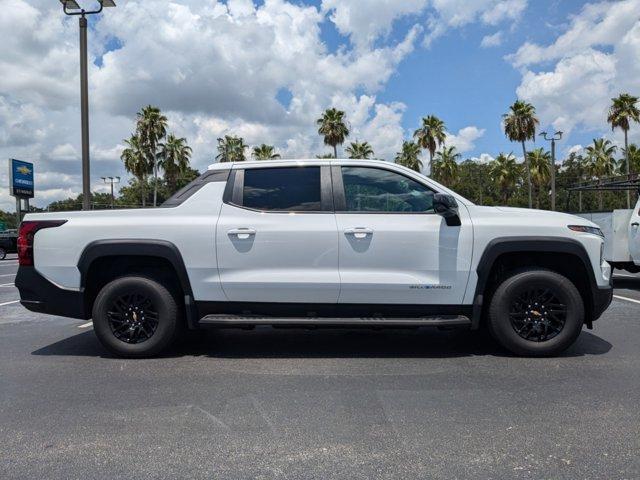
x=40 y=295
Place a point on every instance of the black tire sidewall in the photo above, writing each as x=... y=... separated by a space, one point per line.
x=162 y=300
x=3 y=254
x=500 y=324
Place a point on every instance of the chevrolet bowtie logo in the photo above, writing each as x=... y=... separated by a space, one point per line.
x=24 y=170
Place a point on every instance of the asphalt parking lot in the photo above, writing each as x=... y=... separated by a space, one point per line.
x=318 y=404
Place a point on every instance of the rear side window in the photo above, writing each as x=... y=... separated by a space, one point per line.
x=296 y=189
x=378 y=190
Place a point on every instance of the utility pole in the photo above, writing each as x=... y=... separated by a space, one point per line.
x=84 y=114
x=557 y=136
x=111 y=181
x=71 y=7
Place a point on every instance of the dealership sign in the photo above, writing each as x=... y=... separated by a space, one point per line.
x=20 y=178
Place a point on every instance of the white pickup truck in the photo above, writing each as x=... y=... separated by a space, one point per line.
x=316 y=243
x=621 y=229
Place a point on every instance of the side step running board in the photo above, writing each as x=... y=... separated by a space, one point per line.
x=241 y=320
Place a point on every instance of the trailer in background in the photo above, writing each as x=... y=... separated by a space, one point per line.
x=621 y=228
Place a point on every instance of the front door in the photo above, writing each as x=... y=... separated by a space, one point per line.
x=276 y=237
x=393 y=248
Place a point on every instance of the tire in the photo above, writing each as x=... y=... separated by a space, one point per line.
x=3 y=254
x=553 y=313
x=135 y=317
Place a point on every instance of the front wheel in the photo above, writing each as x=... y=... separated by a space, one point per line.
x=536 y=313
x=135 y=317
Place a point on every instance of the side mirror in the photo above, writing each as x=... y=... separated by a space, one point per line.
x=446 y=206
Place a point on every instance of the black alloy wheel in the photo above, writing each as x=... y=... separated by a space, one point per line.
x=136 y=316
x=537 y=314
x=133 y=318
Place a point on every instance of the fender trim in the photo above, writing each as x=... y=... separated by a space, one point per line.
x=141 y=247
x=500 y=246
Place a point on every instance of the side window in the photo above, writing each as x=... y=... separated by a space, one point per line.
x=377 y=190
x=295 y=189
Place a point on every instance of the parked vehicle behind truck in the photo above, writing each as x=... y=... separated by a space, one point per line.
x=621 y=230
x=334 y=243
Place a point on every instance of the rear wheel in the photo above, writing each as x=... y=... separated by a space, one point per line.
x=135 y=317
x=536 y=313
x=3 y=253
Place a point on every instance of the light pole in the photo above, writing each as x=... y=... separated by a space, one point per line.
x=557 y=136
x=71 y=7
x=111 y=181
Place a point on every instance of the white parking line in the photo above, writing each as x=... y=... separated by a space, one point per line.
x=8 y=303
x=626 y=275
x=86 y=325
x=8 y=264
x=8 y=275
x=627 y=299
x=7 y=285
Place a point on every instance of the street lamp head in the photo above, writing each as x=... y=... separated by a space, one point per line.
x=70 y=4
x=108 y=3
x=543 y=134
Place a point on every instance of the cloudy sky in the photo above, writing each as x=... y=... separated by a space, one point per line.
x=266 y=69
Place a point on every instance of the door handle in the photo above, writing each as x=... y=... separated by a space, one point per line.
x=242 y=233
x=359 y=232
x=635 y=224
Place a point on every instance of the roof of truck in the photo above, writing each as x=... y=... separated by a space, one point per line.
x=299 y=161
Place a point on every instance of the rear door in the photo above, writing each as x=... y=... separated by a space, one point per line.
x=393 y=248
x=276 y=237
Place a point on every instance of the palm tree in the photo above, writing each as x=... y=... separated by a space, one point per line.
x=540 y=165
x=360 y=150
x=431 y=135
x=136 y=163
x=622 y=112
x=152 y=128
x=445 y=166
x=332 y=126
x=265 y=152
x=600 y=162
x=505 y=172
x=633 y=153
x=409 y=156
x=231 y=149
x=174 y=160
x=519 y=126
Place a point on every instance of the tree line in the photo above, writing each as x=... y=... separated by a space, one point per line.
x=160 y=161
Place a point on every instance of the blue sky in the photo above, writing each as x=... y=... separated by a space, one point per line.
x=266 y=70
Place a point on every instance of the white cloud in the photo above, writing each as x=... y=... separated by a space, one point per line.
x=365 y=23
x=465 y=139
x=598 y=24
x=484 y=158
x=577 y=91
x=458 y=13
x=596 y=58
x=494 y=40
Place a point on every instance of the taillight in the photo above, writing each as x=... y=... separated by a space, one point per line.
x=26 y=234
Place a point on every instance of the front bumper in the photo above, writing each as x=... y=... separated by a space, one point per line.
x=40 y=295
x=601 y=300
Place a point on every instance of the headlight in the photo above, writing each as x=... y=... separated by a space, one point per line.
x=584 y=229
